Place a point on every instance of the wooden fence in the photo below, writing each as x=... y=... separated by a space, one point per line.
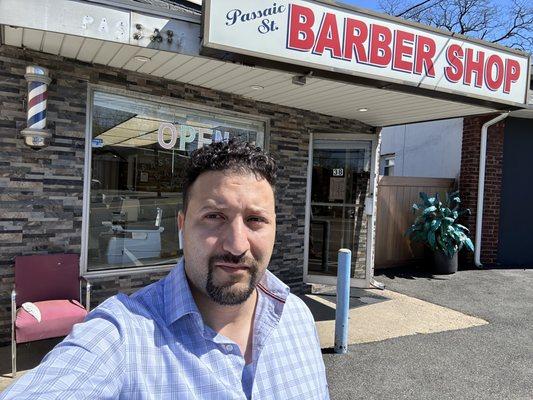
x=396 y=195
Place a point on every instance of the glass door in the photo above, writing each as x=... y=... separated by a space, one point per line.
x=339 y=187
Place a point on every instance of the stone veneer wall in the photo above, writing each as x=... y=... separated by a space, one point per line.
x=41 y=192
x=468 y=184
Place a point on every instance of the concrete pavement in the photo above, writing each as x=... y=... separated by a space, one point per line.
x=488 y=361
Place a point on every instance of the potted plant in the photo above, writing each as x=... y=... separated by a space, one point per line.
x=437 y=229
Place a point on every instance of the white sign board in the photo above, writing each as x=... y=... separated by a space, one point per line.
x=335 y=39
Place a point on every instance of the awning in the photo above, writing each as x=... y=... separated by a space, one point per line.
x=118 y=35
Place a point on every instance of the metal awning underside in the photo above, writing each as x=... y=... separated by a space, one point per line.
x=336 y=98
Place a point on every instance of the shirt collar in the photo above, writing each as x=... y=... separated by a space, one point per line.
x=178 y=296
x=179 y=301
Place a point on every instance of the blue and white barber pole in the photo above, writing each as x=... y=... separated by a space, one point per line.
x=36 y=135
x=343 y=301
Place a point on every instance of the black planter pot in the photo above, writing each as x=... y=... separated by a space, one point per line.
x=444 y=265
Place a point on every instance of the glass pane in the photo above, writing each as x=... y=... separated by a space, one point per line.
x=139 y=149
x=340 y=184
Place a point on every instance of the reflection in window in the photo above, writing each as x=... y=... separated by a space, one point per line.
x=139 y=149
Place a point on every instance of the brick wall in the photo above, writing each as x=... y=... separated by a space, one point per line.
x=41 y=192
x=493 y=182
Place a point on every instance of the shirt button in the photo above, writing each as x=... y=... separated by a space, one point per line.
x=228 y=347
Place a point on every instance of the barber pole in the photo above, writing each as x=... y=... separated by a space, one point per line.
x=35 y=134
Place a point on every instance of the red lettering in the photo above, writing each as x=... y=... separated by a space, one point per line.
x=402 y=49
x=454 y=55
x=301 y=20
x=512 y=73
x=474 y=66
x=494 y=83
x=355 y=34
x=379 y=50
x=328 y=37
x=425 y=51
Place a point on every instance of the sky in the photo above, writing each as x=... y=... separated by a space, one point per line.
x=373 y=4
x=370 y=4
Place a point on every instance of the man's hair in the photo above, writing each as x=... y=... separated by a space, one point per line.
x=233 y=156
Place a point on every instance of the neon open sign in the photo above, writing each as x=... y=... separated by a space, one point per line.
x=186 y=134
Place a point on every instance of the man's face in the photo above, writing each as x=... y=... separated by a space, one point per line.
x=228 y=234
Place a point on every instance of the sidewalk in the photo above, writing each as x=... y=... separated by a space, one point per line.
x=485 y=361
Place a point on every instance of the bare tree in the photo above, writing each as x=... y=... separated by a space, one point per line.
x=510 y=24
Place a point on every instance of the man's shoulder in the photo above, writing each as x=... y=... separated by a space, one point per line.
x=142 y=304
x=295 y=308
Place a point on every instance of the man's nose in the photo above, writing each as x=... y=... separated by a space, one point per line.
x=236 y=238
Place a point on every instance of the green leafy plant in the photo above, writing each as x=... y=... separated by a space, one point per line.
x=436 y=224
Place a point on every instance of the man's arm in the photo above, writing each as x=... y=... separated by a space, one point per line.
x=88 y=364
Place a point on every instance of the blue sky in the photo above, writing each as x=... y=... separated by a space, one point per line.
x=371 y=4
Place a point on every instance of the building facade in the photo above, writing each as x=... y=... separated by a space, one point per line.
x=131 y=90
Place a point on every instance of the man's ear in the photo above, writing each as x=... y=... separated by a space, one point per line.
x=181 y=224
x=181 y=220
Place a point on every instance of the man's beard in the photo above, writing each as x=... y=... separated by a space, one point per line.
x=227 y=294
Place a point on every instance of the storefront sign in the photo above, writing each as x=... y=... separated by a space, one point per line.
x=168 y=135
x=326 y=37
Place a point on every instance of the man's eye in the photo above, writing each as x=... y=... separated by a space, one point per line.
x=213 y=216
x=256 y=219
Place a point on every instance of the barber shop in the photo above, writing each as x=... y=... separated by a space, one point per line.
x=103 y=101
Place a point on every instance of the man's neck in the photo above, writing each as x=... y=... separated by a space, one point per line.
x=234 y=322
x=219 y=317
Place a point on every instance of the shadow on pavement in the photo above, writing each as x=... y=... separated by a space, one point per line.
x=409 y=272
x=323 y=312
x=29 y=355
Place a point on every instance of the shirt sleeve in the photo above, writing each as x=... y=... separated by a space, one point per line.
x=87 y=364
x=324 y=381
x=318 y=359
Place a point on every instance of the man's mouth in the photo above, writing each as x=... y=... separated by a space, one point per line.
x=232 y=268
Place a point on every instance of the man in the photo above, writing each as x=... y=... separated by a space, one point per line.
x=219 y=326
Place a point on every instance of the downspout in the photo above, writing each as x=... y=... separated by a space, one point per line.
x=481 y=185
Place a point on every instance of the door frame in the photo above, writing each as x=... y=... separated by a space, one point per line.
x=369 y=208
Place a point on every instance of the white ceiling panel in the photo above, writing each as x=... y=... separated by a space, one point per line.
x=202 y=70
x=89 y=49
x=106 y=53
x=221 y=70
x=246 y=76
x=172 y=64
x=219 y=78
x=267 y=82
x=32 y=39
x=71 y=46
x=323 y=96
x=308 y=91
x=192 y=64
x=52 y=42
x=332 y=96
x=13 y=36
x=134 y=65
x=251 y=78
x=122 y=56
x=155 y=62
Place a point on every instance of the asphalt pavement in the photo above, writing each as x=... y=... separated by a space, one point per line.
x=492 y=361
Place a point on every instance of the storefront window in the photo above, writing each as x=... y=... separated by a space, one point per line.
x=139 y=149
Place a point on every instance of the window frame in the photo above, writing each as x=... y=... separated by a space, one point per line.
x=168 y=101
x=387 y=158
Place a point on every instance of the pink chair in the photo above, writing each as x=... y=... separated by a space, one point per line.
x=53 y=283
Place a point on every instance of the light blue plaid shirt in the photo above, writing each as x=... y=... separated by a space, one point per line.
x=154 y=345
